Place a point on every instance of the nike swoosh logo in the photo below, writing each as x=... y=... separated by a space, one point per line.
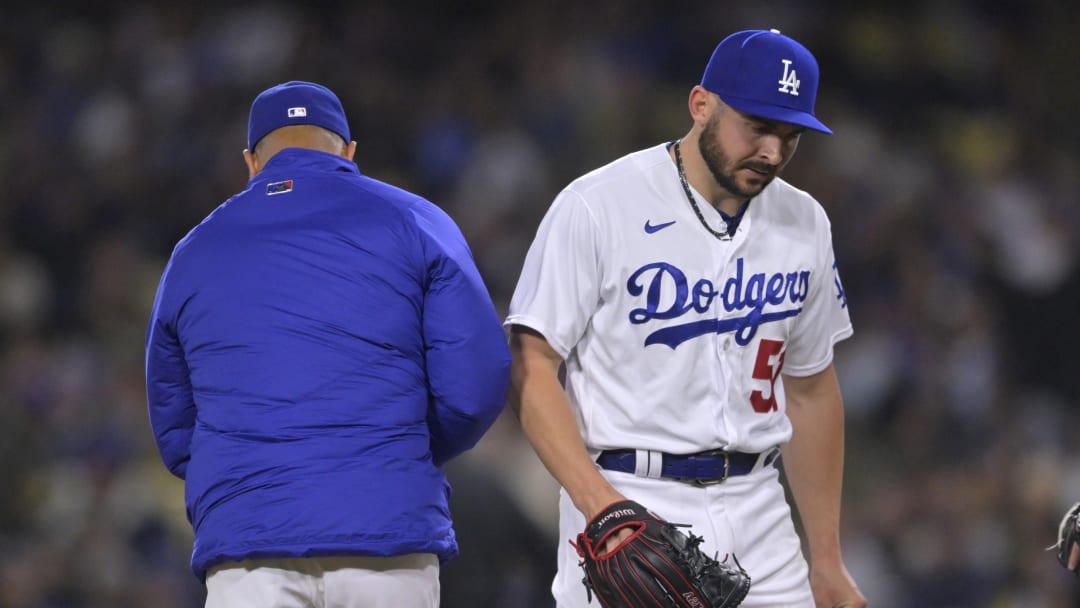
x=649 y=228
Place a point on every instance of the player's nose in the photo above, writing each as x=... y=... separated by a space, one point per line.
x=770 y=149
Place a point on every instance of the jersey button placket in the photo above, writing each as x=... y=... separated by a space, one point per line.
x=726 y=349
x=722 y=341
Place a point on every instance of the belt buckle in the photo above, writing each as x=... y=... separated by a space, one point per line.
x=701 y=483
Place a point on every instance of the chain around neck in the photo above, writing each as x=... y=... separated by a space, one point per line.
x=723 y=236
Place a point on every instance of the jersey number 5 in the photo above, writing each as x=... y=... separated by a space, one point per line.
x=767 y=367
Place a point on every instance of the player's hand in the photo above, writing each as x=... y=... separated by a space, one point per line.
x=615 y=539
x=833 y=587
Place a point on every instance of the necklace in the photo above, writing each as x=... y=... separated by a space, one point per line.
x=723 y=236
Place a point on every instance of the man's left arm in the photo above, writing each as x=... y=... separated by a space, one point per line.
x=466 y=350
x=169 y=396
x=814 y=464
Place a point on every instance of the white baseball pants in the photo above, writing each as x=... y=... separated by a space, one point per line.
x=746 y=515
x=326 y=582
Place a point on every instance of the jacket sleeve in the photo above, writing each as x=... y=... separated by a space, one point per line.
x=466 y=351
x=169 y=396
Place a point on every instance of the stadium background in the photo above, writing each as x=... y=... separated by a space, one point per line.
x=952 y=182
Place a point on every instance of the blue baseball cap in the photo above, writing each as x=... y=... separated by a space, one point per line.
x=764 y=73
x=295 y=103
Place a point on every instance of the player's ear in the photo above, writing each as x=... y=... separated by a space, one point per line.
x=350 y=150
x=251 y=162
x=700 y=105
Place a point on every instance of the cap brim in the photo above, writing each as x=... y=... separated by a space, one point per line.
x=777 y=113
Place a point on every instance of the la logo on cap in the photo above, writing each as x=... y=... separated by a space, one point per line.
x=297 y=112
x=789 y=82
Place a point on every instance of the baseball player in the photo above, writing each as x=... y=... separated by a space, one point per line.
x=319 y=347
x=694 y=299
x=1067 y=546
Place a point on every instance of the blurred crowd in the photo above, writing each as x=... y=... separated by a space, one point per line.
x=952 y=181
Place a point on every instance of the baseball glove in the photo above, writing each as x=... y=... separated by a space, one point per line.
x=1068 y=537
x=657 y=565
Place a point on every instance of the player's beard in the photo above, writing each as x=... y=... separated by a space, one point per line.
x=721 y=167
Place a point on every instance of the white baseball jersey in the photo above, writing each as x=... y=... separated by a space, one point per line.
x=674 y=340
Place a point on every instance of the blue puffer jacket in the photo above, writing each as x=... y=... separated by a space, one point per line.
x=319 y=346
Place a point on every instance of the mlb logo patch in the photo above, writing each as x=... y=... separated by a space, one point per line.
x=279 y=187
x=297 y=112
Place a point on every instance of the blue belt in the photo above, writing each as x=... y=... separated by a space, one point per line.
x=702 y=468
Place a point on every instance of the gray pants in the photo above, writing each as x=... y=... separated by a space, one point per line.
x=326 y=582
